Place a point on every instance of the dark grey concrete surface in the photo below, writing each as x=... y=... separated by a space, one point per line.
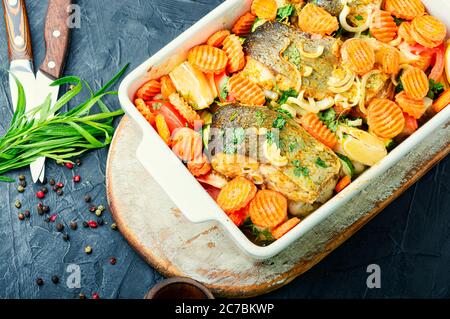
x=410 y=240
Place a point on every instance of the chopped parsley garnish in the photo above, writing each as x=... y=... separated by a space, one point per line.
x=300 y=170
x=329 y=118
x=285 y=12
x=280 y=122
x=284 y=112
x=398 y=21
x=287 y=94
x=293 y=55
x=224 y=88
x=234 y=116
x=321 y=163
x=436 y=89
x=292 y=146
x=359 y=17
x=233 y=139
x=260 y=118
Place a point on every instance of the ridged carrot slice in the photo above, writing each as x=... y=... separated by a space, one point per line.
x=405 y=32
x=430 y=28
x=442 y=102
x=415 y=82
x=236 y=195
x=217 y=38
x=315 y=19
x=167 y=87
x=383 y=26
x=162 y=128
x=358 y=55
x=413 y=107
x=265 y=9
x=342 y=184
x=314 y=126
x=145 y=111
x=268 y=209
x=149 y=90
x=246 y=91
x=284 y=228
x=385 y=118
x=184 y=108
x=208 y=59
x=199 y=166
x=244 y=24
x=187 y=144
x=233 y=48
x=405 y=9
x=389 y=60
x=239 y=217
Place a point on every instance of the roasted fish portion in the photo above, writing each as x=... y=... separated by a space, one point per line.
x=272 y=149
x=290 y=54
x=332 y=6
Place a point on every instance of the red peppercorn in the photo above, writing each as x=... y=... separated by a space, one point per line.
x=113 y=261
x=76 y=178
x=40 y=194
x=53 y=218
x=95 y=296
x=60 y=185
x=69 y=165
x=92 y=224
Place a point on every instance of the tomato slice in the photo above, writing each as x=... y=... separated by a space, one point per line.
x=411 y=124
x=439 y=63
x=211 y=190
x=173 y=118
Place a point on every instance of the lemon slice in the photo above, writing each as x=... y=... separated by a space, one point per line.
x=447 y=62
x=361 y=146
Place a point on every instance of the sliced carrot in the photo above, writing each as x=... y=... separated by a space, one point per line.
x=217 y=38
x=208 y=59
x=415 y=82
x=149 y=90
x=314 y=126
x=385 y=118
x=145 y=111
x=236 y=194
x=405 y=9
x=233 y=48
x=405 y=32
x=284 y=228
x=389 y=59
x=315 y=19
x=162 y=128
x=199 y=166
x=246 y=91
x=343 y=183
x=187 y=144
x=413 y=107
x=244 y=24
x=268 y=209
x=265 y=9
x=167 y=87
x=383 y=26
x=184 y=109
x=239 y=217
x=430 y=28
x=442 y=102
x=358 y=55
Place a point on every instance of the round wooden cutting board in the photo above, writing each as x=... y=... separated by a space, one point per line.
x=175 y=247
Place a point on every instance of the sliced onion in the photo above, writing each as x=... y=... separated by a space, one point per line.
x=312 y=55
x=307 y=71
x=337 y=83
x=289 y=109
x=365 y=78
x=428 y=102
x=344 y=88
x=311 y=105
x=396 y=42
x=271 y=95
x=343 y=20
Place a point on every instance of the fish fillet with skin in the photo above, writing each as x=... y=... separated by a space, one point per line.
x=311 y=169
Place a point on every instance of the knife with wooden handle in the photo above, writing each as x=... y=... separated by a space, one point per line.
x=37 y=88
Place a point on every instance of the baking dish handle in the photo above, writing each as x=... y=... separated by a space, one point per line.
x=156 y=157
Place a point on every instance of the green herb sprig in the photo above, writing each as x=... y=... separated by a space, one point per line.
x=62 y=136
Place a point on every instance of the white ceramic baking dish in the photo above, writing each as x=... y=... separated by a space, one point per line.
x=183 y=188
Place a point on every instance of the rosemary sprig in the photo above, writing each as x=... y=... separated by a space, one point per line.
x=61 y=136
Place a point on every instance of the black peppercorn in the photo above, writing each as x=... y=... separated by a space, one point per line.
x=85 y=224
x=27 y=213
x=82 y=295
x=21 y=216
x=100 y=221
x=55 y=189
x=23 y=184
x=87 y=198
x=47 y=220
x=52 y=182
x=73 y=225
x=66 y=237
x=113 y=261
x=39 y=281
x=44 y=190
x=78 y=162
x=92 y=208
x=59 y=227
x=55 y=279
x=59 y=192
x=46 y=209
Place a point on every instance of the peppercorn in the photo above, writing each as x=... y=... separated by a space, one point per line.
x=47 y=220
x=76 y=179
x=21 y=216
x=78 y=162
x=101 y=208
x=20 y=189
x=66 y=237
x=114 y=226
x=88 y=250
x=27 y=213
x=18 y=204
x=23 y=184
x=39 y=281
x=22 y=177
x=52 y=182
x=40 y=209
x=59 y=192
x=87 y=198
x=55 y=189
x=44 y=190
x=100 y=221
x=69 y=165
x=53 y=218
x=40 y=195
x=59 y=227
x=73 y=225
x=92 y=208
x=85 y=224
x=60 y=185
x=92 y=224
x=82 y=296
x=45 y=209
x=98 y=213
x=95 y=296
x=55 y=279
x=113 y=261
